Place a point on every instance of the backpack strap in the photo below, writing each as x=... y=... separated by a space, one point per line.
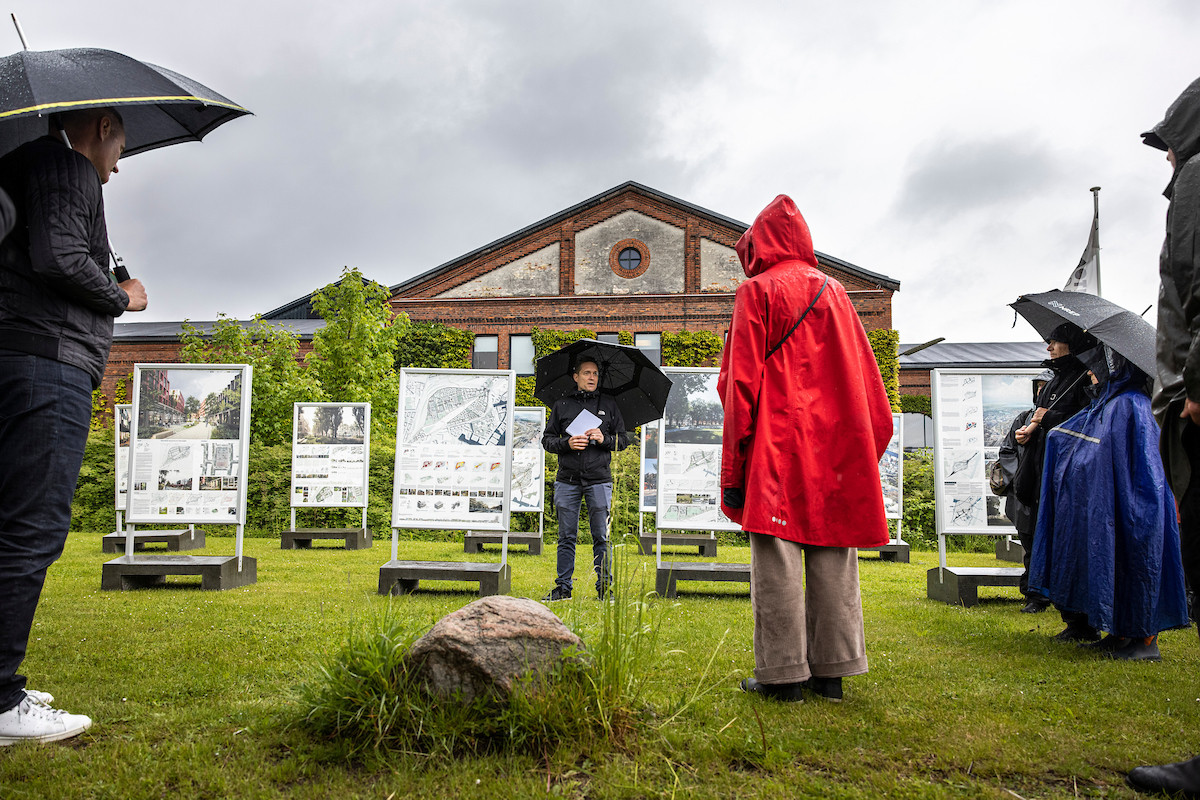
x=771 y=352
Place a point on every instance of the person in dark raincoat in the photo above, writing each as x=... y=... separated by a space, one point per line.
x=1019 y=514
x=806 y=422
x=1107 y=543
x=1177 y=401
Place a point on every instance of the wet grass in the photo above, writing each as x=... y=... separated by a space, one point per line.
x=194 y=694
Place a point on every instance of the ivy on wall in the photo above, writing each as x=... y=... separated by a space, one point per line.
x=916 y=404
x=885 y=346
x=691 y=349
x=432 y=345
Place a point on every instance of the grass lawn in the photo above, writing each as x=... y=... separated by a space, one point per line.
x=189 y=689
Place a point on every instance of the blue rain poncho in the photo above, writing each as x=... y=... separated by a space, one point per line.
x=1107 y=540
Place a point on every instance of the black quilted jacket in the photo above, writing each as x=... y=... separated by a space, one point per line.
x=57 y=296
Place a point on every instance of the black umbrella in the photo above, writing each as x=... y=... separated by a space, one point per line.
x=1117 y=327
x=160 y=107
x=633 y=380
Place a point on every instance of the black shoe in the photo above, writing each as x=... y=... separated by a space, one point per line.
x=1035 y=606
x=784 y=692
x=829 y=689
x=1108 y=645
x=604 y=591
x=1181 y=779
x=556 y=594
x=1078 y=632
x=1138 y=650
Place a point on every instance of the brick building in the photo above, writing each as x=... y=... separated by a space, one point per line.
x=630 y=259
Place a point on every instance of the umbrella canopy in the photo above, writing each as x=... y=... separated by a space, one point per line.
x=633 y=380
x=160 y=107
x=1117 y=327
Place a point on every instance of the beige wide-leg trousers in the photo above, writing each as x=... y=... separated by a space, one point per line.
x=807 y=611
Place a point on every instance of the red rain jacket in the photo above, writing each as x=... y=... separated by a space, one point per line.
x=804 y=429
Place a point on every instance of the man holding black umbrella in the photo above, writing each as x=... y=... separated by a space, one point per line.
x=58 y=299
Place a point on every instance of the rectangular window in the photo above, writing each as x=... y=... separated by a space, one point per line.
x=650 y=344
x=485 y=352
x=610 y=338
x=520 y=353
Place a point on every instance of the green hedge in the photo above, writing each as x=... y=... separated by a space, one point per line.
x=916 y=404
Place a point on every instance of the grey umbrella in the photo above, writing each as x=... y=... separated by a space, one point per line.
x=1117 y=327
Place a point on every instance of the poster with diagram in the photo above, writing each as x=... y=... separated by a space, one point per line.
x=528 y=459
x=330 y=447
x=190 y=441
x=689 y=454
x=123 y=423
x=972 y=412
x=649 y=468
x=891 y=472
x=454 y=442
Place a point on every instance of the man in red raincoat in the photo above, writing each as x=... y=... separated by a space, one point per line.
x=806 y=422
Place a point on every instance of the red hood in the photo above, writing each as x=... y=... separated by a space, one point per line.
x=777 y=235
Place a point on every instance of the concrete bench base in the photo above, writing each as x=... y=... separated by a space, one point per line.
x=892 y=551
x=1010 y=550
x=302 y=538
x=671 y=571
x=707 y=543
x=475 y=540
x=404 y=577
x=174 y=540
x=216 y=572
x=959 y=586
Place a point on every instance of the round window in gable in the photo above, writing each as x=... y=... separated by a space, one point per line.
x=629 y=258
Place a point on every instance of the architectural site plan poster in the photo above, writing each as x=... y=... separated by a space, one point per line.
x=972 y=412
x=528 y=459
x=123 y=419
x=649 y=459
x=190 y=440
x=330 y=443
x=891 y=472
x=454 y=437
x=689 y=454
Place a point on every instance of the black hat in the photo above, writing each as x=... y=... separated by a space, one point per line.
x=1073 y=336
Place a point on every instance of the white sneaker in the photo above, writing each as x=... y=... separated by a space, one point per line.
x=30 y=721
x=41 y=698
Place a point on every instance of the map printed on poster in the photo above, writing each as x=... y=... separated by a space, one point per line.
x=528 y=459
x=454 y=449
x=972 y=414
x=189 y=444
x=689 y=454
x=330 y=446
x=123 y=416
x=649 y=457
x=891 y=473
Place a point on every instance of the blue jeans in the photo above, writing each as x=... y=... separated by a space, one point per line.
x=45 y=408
x=567 y=501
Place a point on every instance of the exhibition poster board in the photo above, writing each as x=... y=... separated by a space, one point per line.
x=190 y=440
x=123 y=424
x=331 y=443
x=891 y=471
x=454 y=437
x=528 y=459
x=649 y=468
x=972 y=412
x=689 y=454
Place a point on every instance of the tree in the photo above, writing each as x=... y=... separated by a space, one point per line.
x=329 y=419
x=191 y=406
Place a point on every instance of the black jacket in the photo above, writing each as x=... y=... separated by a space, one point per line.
x=590 y=466
x=1062 y=397
x=57 y=296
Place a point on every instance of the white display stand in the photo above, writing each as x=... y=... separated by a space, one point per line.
x=454 y=440
x=188 y=463
x=331 y=452
x=972 y=412
x=891 y=478
x=187 y=539
x=528 y=483
x=689 y=481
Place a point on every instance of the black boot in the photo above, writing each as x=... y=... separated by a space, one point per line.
x=785 y=692
x=1181 y=779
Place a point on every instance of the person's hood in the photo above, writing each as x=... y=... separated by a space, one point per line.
x=779 y=234
x=1179 y=129
x=1114 y=374
x=1067 y=363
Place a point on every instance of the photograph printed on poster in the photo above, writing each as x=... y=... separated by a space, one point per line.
x=183 y=404
x=890 y=472
x=528 y=461
x=331 y=424
x=649 y=467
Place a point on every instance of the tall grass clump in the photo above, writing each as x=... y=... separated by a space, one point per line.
x=366 y=697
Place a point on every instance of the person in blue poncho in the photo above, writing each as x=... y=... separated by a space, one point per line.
x=1106 y=547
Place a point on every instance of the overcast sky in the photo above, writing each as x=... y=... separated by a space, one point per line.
x=949 y=145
